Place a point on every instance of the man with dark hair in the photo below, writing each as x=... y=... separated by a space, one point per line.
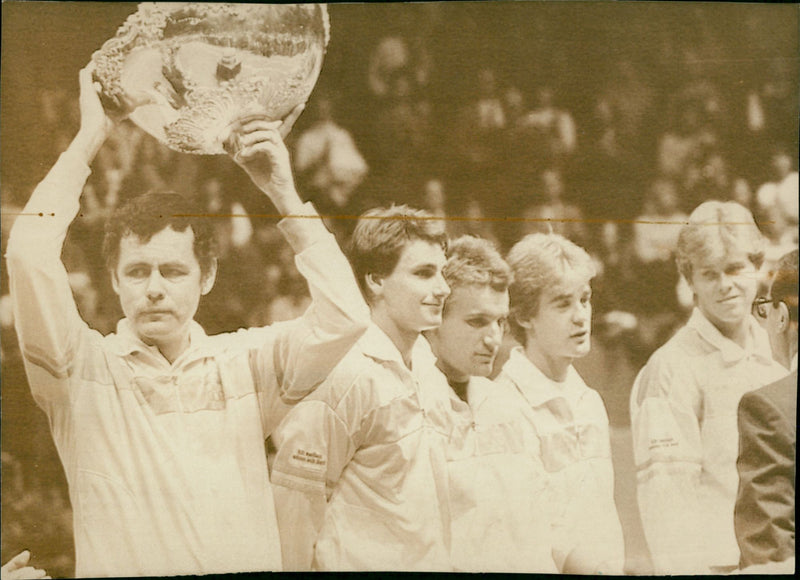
x=161 y=428
x=361 y=470
x=148 y=214
x=764 y=512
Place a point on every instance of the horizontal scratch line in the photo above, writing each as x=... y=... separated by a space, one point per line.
x=467 y=218
x=514 y=219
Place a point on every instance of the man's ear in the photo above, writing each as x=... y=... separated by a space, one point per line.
x=783 y=317
x=690 y=285
x=114 y=280
x=207 y=282
x=374 y=285
x=527 y=326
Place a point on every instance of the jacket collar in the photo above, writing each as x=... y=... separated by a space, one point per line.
x=535 y=386
x=756 y=341
x=376 y=344
x=126 y=342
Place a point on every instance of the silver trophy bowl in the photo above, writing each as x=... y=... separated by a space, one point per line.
x=184 y=72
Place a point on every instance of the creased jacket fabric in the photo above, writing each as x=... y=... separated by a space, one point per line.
x=567 y=425
x=165 y=462
x=373 y=439
x=685 y=441
x=498 y=494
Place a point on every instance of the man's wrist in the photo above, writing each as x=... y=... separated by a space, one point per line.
x=87 y=143
x=288 y=202
x=303 y=227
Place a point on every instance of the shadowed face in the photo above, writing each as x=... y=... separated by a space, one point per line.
x=467 y=342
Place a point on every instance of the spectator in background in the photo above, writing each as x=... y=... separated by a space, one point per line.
x=514 y=106
x=396 y=63
x=488 y=113
x=266 y=257
x=772 y=102
x=683 y=403
x=742 y=193
x=630 y=99
x=435 y=198
x=607 y=170
x=553 y=213
x=552 y=131
x=684 y=146
x=764 y=518
x=477 y=141
x=699 y=87
x=522 y=158
x=653 y=276
x=472 y=221
x=777 y=202
x=231 y=298
x=708 y=179
x=655 y=237
x=328 y=163
x=399 y=138
x=657 y=227
x=292 y=299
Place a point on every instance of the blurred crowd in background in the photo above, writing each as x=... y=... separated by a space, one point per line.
x=599 y=122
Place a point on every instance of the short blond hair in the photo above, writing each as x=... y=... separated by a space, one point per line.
x=717 y=227
x=475 y=261
x=540 y=261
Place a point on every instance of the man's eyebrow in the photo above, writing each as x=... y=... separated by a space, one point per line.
x=140 y=263
x=560 y=297
x=136 y=264
x=486 y=315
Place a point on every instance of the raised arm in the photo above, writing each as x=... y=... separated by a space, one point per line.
x=46 y=318
x=305 y=351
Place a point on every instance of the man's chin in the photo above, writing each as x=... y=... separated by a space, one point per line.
x=482 y=369
x=583 y=350
x=154 y=332
x=431 y=324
